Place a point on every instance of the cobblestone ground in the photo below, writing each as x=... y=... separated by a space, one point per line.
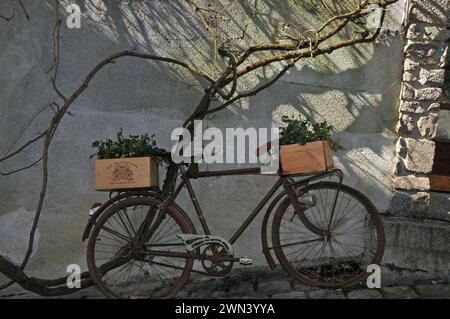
x=262 y=283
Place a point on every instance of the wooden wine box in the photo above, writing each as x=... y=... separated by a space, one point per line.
x=312 y=157
x=126 y=173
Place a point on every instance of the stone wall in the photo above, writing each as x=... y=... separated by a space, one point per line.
x=425 y=56
x=418 y=229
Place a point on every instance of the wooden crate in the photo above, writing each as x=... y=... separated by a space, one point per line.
x=312 y=157
x=126 y=173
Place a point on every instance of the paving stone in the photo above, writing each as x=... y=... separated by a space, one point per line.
x=326 y=294
x=431 y=291
x=183 y=294
x=273 y=286
x=244 y=289
x=219 y=295
x=211 y=295
x=290 y=295
x=399 y=292
x=365 y=294
x=302 y=287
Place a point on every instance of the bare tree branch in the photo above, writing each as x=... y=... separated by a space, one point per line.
x=13 y=14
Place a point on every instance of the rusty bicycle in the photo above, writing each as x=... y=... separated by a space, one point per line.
x=142 y=244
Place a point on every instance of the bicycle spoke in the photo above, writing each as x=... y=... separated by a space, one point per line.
x=144 y=269
x=339 y=257
x=119 y=235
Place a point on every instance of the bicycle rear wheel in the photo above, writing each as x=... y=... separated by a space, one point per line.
x=133 y=250
x=339 y=257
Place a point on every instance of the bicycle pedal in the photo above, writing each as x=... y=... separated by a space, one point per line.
x=245 y=261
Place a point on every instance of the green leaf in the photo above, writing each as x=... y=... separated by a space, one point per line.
x=298 y=131
x=131 y=146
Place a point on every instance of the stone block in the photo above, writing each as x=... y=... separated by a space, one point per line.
x=420 y=155
x=428 y=126
x=421 y=200
x=443 y=59
x=408 y=92
x=420 y=33
x=432 y=76
x=429 y=94
x=435 y=12
x=414 y=32
x=436 y=33
x=434 y=107
x=413 y=107
x=420 y=50
x=411 y=182
x=409 y=77
x=410 y=65
x=426 y=94
x=407 y=124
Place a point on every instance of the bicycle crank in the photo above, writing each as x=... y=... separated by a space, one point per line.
x=192 y=242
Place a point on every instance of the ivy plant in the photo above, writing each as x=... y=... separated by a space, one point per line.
x=131 y=146
x=299 y=131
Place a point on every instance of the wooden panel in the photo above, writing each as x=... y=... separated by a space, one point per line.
x=309 y=158
x=126 y=173
x=328 y=156
x=440 y=183
x=445 y=106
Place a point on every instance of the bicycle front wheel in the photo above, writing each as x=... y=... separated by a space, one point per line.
x=352 y=237
x=134 y=252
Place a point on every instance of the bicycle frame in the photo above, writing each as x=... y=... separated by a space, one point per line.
x=287 y=182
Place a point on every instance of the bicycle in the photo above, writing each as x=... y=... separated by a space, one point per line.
x=143 y=245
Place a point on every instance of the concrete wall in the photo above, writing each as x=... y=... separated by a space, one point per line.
x=354 y=89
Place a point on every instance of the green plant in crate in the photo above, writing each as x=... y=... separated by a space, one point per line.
x=132 y=146
x=299 y=131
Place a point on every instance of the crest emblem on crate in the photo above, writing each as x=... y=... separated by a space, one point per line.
x=126 y=173
x=122 y=172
